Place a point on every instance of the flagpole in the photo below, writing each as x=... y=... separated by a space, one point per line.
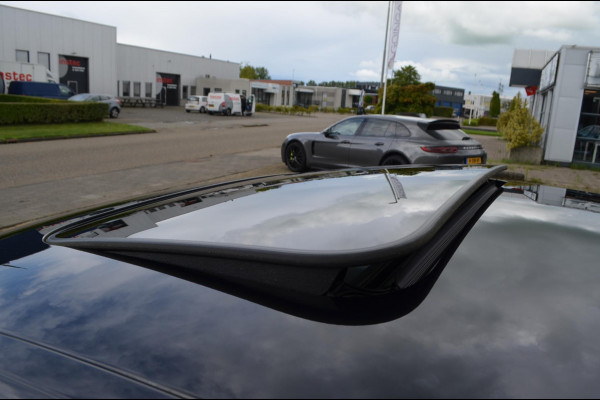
x=384 y=65
x=387 y=28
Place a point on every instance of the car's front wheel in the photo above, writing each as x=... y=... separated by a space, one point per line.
x=202 y=110
x=114 y=112
x=295 y=157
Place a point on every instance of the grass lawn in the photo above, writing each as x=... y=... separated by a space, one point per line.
x=15 y=133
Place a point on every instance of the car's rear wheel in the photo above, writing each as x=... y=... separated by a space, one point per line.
x=202 y=109
x=114 y=112
x=394 y=159
x=295 y=157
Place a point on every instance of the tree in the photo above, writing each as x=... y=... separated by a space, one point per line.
x=250 y=72
x=406 y=94
x=311 y=83
x=495 y=105
x=518 y=127
x=406 y=76
x=262 y=73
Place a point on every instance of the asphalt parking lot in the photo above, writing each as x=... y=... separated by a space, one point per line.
x=51 y=179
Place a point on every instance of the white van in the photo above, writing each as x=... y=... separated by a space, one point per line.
x=230 y=103
x=196 y=103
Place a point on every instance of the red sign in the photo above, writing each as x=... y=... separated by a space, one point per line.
x=16 y=76
x=531 y=90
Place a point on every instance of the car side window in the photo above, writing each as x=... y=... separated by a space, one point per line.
x=401 y=130
x=378 y=128
x=347 y=128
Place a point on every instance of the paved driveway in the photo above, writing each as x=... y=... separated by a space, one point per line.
x=44 y=180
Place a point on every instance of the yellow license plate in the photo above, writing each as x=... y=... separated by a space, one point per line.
x=474 y=160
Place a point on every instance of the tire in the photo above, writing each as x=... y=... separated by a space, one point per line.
x=394 y=159
x=187 y=111
x=295 y=157
x=114 y=112
x=202 y=110
x=228 y=112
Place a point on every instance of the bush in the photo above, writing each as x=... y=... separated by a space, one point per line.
x=263 y=108
x=313 y=109
x=443 y=111
x=518 y=127
x=488 y=121
x=51 y=112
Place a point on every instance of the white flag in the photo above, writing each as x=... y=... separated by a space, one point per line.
x=395 y=32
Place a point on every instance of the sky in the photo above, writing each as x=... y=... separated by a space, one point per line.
x=461 y=44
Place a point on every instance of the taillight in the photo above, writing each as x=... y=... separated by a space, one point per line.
x=223 y=104
x=439 y=149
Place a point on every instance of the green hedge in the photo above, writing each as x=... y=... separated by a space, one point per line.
x=11 y=98
x=51 y=112
x=488 y=121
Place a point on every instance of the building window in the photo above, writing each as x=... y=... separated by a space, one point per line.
x=23 y=56
x=148 y=89
x=192 y=90
x=126 y=88
x=218 y=90
x=44 y=59
x=587 y=141
x=137 y=89
x=237 y=91
x=185 y=91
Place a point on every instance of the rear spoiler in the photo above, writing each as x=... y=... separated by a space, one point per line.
x=439 y=125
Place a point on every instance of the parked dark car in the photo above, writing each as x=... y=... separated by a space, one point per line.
x=372 y=140
x=114 y=104
x=40 y=89
x=429 y=282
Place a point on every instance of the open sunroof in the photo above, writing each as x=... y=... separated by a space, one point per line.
x=301 y=242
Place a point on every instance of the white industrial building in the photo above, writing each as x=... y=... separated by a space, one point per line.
x=87 y=57
x=566 y=101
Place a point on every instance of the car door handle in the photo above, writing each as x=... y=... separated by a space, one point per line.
x=379 y=144
x=346 y=142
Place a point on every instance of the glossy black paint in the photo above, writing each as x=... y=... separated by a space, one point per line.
x=514 y=314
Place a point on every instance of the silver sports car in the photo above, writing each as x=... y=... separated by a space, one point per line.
x=371 y=140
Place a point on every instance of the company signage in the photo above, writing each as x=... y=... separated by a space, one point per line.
x=74 y=72
x=167 y=88
x=16 y=76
